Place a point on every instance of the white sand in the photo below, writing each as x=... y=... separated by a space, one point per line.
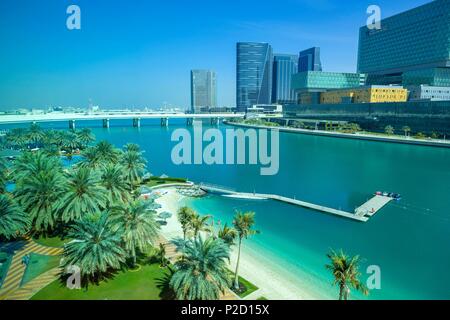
x=274 y=282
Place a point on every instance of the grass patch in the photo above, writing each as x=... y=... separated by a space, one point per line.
x=155 y=181
x=38 y=265
x=245 y=287
x=150 y=282
x=55 y=242
x=262 y=298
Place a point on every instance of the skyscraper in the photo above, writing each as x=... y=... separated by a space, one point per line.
x=253 y=74
x=284 y=66
x=309 y=60
x=411 y=48
x=203 y=90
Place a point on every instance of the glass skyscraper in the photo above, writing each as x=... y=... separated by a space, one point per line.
x=203 y=90
x=253 y=74
x=410 y=47
x=309 y=60
x=284 y=66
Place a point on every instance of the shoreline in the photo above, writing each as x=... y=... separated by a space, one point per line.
x=355 y=136
x=273 y=282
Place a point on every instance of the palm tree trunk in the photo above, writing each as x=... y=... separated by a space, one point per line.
x=347 y=293
x=341 y=292
x=236 y=276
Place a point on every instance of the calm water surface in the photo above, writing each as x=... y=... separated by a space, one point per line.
x=409 y=240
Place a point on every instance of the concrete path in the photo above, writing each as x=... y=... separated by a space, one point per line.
x=17 y=268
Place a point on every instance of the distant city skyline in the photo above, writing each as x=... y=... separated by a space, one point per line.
x=140 y=54
x=203 y=89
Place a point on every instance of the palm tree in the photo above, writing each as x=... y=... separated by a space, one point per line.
x=243 y=223
x=85 y=136
x=134 y=167
x=227 y=234
x=95 y=248
x=199 y=223
x=345 y=273
x=161 y=255
x=185 y=215
x=106 y=152
x=389 y=130
x=90 y=159
x=38 y=195
x=203 y=274
x=406 y=130
x=132 y=147
x=13 y=220
x=17 y=138
x=3 y=175
x=70 y=142
x=137 y=225
x=35 y=135
x=84 y=195
x=58 y=138
x=32 y=163
x=113 y=180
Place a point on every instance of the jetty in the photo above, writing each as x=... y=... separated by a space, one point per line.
x=361 y=214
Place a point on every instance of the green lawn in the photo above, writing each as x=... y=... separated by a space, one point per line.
x=38 y=265
x=245 y=286
x=147 y=283
x=55 y=242
x=155 y=181
x=249 y=287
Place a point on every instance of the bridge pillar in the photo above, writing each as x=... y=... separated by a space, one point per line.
x=189 y=121
x=72 y=124
x=106 y=123
x=164 y=122
x=137 y=122
x=215 y=121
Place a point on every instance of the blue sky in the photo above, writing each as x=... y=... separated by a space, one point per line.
x=138 y=53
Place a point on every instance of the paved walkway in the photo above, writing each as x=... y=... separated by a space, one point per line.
x=32 y=287
x=17 y=268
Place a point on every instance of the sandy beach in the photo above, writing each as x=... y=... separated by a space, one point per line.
x=273 y=282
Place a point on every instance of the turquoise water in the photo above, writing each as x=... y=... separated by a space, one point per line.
x=409 y=240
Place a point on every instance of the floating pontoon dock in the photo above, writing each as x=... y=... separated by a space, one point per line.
x=362 y=213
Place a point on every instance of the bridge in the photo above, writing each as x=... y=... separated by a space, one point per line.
x=362 y=213
x=105 y=117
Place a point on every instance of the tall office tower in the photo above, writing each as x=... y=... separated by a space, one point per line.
x=284 y=66
x=203 y=90
x=309 y=60
x=411 y=48
x=253 y=74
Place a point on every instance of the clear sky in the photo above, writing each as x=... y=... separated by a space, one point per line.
x=137 y=53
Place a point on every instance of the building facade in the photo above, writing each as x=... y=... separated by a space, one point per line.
x=431 y=93
x=284 y=66
x=369 y=94
x=411 y=48
x=254 y=62
x=309 y=60
x=203 y=90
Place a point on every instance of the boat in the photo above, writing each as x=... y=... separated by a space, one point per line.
x=393 y=195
